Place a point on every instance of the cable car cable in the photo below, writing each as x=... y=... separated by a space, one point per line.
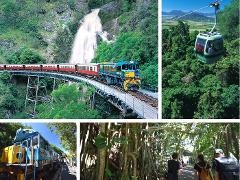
x=191 y=12
x=204 y=7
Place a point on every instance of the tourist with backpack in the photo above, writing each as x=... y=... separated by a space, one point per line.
x=225 y=168
x=173 y=167
x=203 y=168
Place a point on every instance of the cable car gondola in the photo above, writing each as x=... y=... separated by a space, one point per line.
x=209 y=45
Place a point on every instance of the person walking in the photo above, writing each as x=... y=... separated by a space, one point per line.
x=225 y=168
x=202 y=168
x=173 y=167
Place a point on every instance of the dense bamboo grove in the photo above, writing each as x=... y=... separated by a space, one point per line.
x=140 y=151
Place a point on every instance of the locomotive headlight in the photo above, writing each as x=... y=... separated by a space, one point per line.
x=129 y=74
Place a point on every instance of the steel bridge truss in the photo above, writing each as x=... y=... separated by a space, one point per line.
x=129 y=105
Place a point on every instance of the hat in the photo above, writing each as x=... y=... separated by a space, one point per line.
x=218 y=151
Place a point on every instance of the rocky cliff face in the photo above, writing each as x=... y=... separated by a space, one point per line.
x=55 y=24
x=61 y=16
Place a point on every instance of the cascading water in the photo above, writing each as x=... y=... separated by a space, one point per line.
x=85 y=42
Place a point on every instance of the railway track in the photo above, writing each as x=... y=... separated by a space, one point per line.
x=141 y=96
x=137 y=94
x=146 y=98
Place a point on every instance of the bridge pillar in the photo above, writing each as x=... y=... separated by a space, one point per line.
x=93 y=101
x=36 y=92
x=128 y=113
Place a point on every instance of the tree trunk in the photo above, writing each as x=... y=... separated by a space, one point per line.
x=125 y=157
x=102 y=155
x=235 y=141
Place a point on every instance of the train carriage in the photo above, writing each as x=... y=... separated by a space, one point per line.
x=50 y=67
x=125 y=74
x=88 y=69
x=14 y=67
x=71 y=68
x=33 y=67
x=2 y=66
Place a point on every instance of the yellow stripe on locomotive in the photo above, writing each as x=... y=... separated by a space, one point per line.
x=131 y=83
x=13 y=154
x=129 y=74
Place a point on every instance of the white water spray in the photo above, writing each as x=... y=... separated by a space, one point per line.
x=85 y=42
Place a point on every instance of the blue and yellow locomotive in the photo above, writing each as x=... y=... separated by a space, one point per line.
x=30 y=154
x=125 y=74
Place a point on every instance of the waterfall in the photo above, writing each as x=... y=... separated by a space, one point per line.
x=85 y=42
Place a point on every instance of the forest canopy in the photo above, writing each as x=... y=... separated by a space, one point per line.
x=141 y=150
x=192 y=89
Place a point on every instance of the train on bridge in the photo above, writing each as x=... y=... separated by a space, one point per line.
x=29 y=157
x=125 y=74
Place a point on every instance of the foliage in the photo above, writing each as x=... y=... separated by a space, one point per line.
x=228 y=20
x=63 y=45
x=130 y=44
x=124 y=150
x=68 y=103
x=138 y=39
x=7 y=133
x=92 y=4
x=149 y=75
x=56 y=149
x=10 y=103
x=192 y=89
x=67 y=133
x=25 y=55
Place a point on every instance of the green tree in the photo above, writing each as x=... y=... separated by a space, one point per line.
x=63 y=45
x=68 y=103
x=7 y=133
x=67 y=133
x=228 y=20
x=25 y=55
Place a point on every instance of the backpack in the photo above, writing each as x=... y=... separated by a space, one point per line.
x=228 y=168
x=204 y=174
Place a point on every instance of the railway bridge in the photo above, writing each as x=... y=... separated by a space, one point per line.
x=125 y=102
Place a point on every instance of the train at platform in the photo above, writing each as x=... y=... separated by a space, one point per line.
x=29 y=157
x=125 y=74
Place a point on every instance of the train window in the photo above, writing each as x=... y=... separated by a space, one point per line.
x=43 y=143
x=130 y=66
x=124 y=67
x=25 y=143
x=35 y=141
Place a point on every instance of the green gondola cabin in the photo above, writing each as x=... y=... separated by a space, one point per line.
x=209 y=47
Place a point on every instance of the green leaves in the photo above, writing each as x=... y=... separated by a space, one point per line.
x=108 y=172
x=228 y=20
x=67 y=133
x=25 y=55
x=68 y=103
x=137 y=40
x=101 y=142
x=120 y=140
x=192 y=89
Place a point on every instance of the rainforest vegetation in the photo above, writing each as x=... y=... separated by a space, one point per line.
x=43 y=32
x=137 y=40
x=69 y=102
x=192 y=89
x=140 y=151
